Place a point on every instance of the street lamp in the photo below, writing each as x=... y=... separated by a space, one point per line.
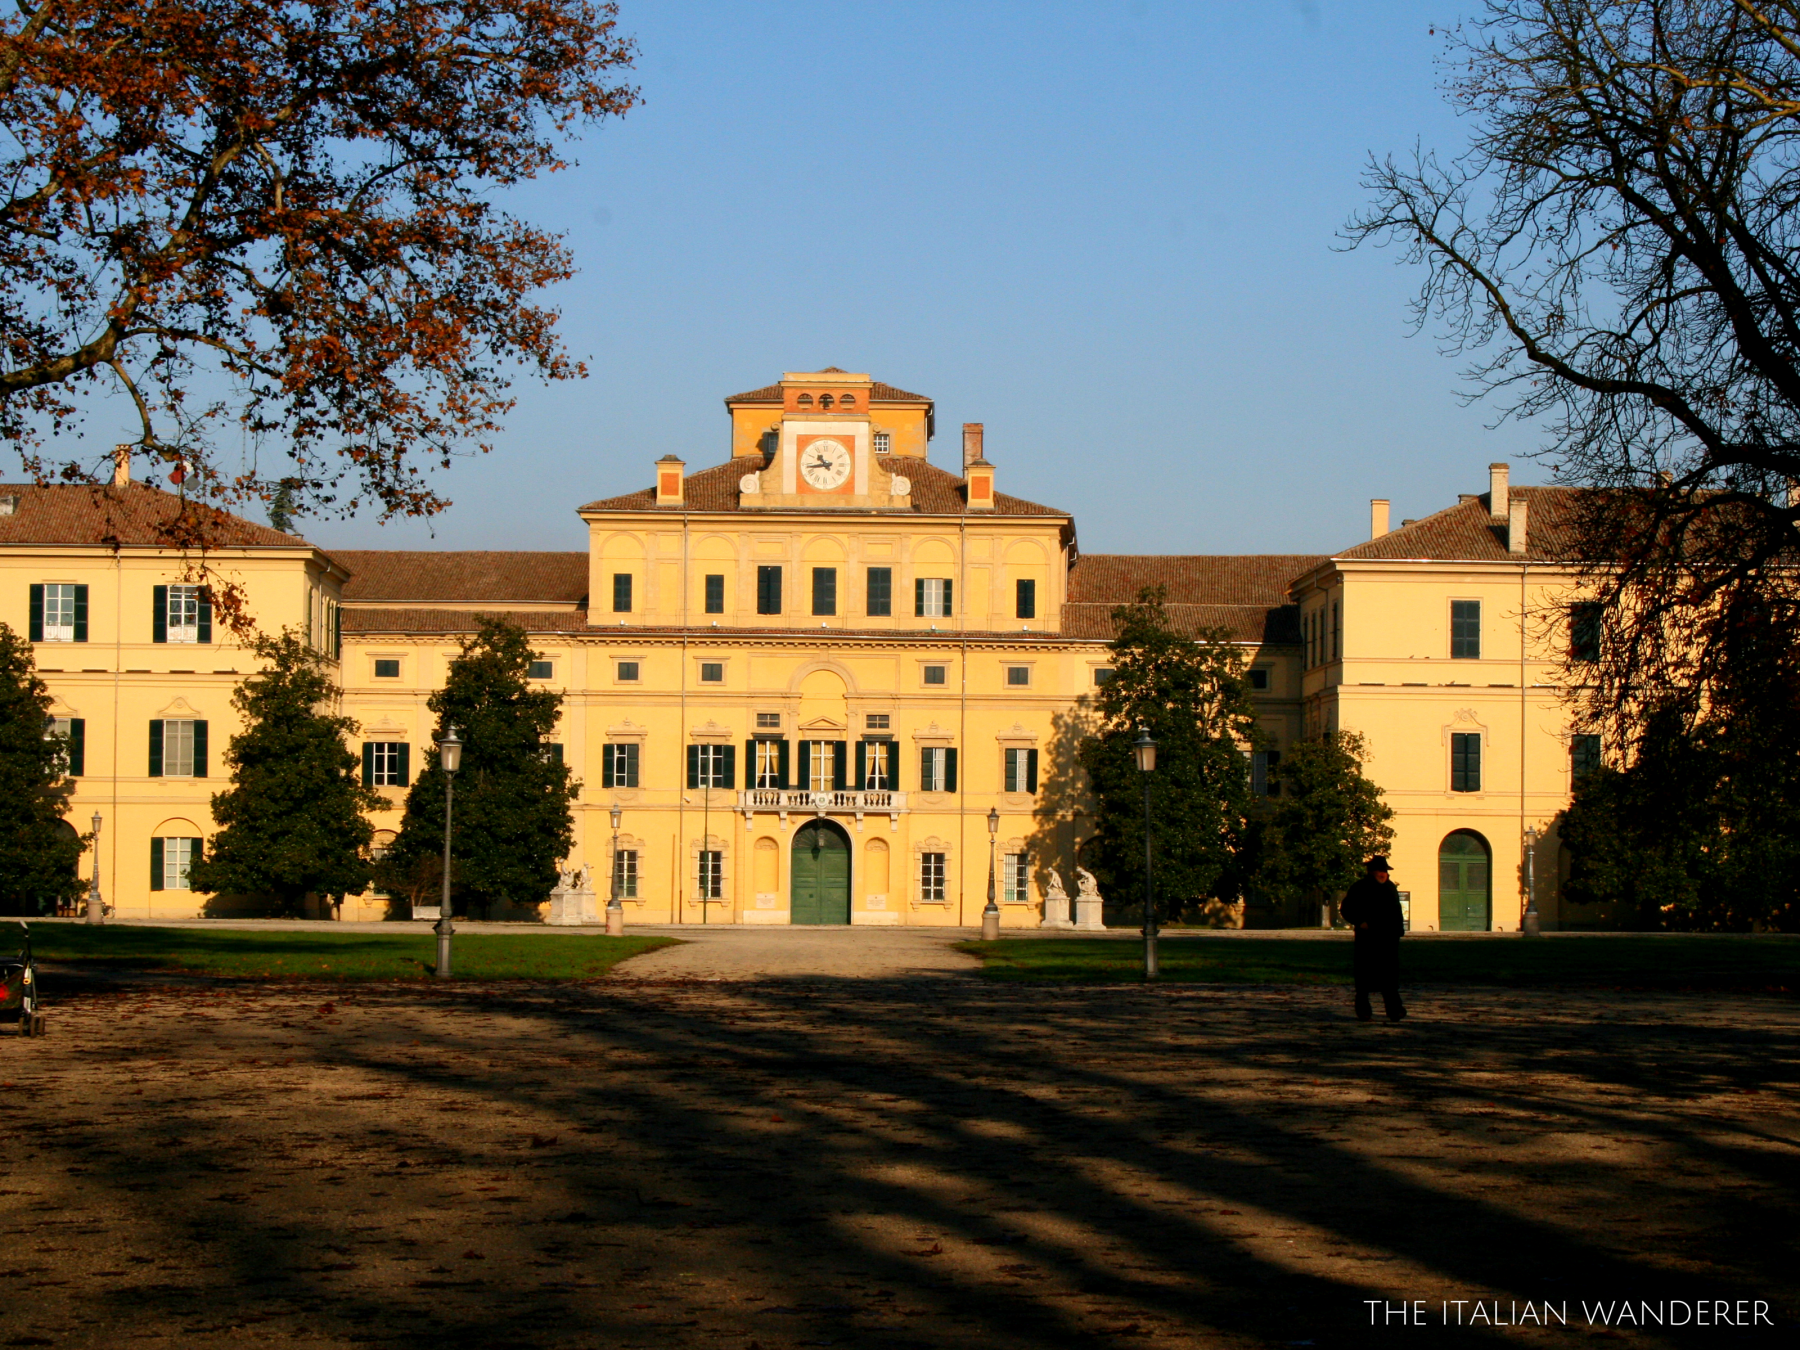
x=990 y=917
x=96 y=911
x=615 y=903
x=1145 y=750
x=449 y=760
x=1533 y=924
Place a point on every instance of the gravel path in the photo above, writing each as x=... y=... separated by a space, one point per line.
x=855 y=1162
x=756 y=951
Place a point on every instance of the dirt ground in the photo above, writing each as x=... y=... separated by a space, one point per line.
x=923 y=1162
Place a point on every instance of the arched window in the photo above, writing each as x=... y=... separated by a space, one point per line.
x=847 y=401
x=825 y=400
x=804 y=401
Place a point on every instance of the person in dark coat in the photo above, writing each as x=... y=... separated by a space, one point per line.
x=1372 y=908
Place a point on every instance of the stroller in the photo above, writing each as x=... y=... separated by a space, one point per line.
x=19 y=988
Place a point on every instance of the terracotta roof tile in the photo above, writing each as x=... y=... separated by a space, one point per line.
x=1464 y=533
x=402 y=620
x=1246 y=594
x=878 y=393
x=136 y=515
x=396 y=577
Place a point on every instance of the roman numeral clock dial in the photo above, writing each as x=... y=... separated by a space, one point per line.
x=825 y=465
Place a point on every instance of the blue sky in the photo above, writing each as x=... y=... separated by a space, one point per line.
x=1105 y=230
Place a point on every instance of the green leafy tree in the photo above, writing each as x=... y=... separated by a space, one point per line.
x=293 y=821
x=1327 y=822
x=512 y=822
x=1192 y=696
x=38 y=849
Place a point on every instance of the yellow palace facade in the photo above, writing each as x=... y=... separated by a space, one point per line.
x=809 y=677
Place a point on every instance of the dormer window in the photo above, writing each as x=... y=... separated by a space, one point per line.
x=804 y=401
x=825 y=402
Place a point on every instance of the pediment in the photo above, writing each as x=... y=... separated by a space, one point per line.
x=178 y=709
x=819 y=724
x=712 y=731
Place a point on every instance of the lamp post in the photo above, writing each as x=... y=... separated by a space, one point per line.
x=450 y=760
x=1533 y=924
x=615 y=903
x=96 y=911
x=1145 y=750
x=990 y=917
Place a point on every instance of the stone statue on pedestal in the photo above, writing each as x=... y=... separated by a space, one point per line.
x=1087 y=901
x=572 y=902
x=1056 y=904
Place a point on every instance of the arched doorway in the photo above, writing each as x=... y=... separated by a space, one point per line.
x=820 y=887
x=1465 y=900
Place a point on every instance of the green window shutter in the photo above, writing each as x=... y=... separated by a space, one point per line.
x=924 y=768
x=156 y=733
x=406 y=764
x=205 y=634
x=750 y=764
x=730 y=765
x=918 y=597
x=862 y=765
x=37 y=613
x=156 y=864
x=950 y=769
x=1026 y=608
x=77 y=746
x=1009 y=771
x=631 y=766
x=199 y=749
x=805 y=773
x=693 y=753
x=1031 y=771
x=81 y=613
x=368 y=763
x=784 y=777
x=839 y=763
x=607 y=778
x=556 y=753
x=159 y=613
x=949 y=605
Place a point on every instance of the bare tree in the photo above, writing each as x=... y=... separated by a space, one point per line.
x=1617 y=253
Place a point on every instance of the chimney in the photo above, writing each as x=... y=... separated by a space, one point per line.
x=979 y=475
x=121 y=465
x=971 y=444
x=1497 y=476
x=1515 y=526
x=1378 y=516
x=669 y=481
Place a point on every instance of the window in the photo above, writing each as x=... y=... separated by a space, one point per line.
x=846 y=400
x=804 y=401
x=937 y=769
x=1018 y=675
x=931 y=878
x=876 y=721
x=1025 y=598
x=768 y=721
x=1015 y=874
x=768 y=590
x=712 y=672
x=770 y=764
x=1465 y=761
x=931 y=597
x=819 y=768
x=1465 y=630
x=180 y=614
x=825 y=402
x=387 y=668
x=553 y=752
x=72 y=732
x=715 y=593
x=878 y=766
x=621 y=592
x=1584 y=755
x=59 y=613
x=625 y=873
x=1264 y=781
x=1021 y=770
x=628 y=672
x=1584 y=631
x=711 y=766
x=881 y=591
x=619 y=765
x=169 y=863
x=1337 y=631
x=934 y=674
x=824 y=590
x=385 y=763
x=1102 y=675
x=1259 y=677
x=711 y=876
x=177 y=749
x=540 y=670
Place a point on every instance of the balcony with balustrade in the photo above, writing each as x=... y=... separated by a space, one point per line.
x=856 y=802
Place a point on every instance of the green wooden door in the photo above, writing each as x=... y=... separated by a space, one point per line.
x=1464 y=901
x=821 y=875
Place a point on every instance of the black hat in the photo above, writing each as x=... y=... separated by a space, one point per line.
x=1378 y=865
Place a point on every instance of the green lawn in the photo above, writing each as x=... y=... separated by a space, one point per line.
x=1638 y=961
x=310 y=954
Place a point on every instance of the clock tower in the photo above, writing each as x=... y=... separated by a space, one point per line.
x=822 y=454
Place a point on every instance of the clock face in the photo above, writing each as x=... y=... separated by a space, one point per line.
x=825 y=465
